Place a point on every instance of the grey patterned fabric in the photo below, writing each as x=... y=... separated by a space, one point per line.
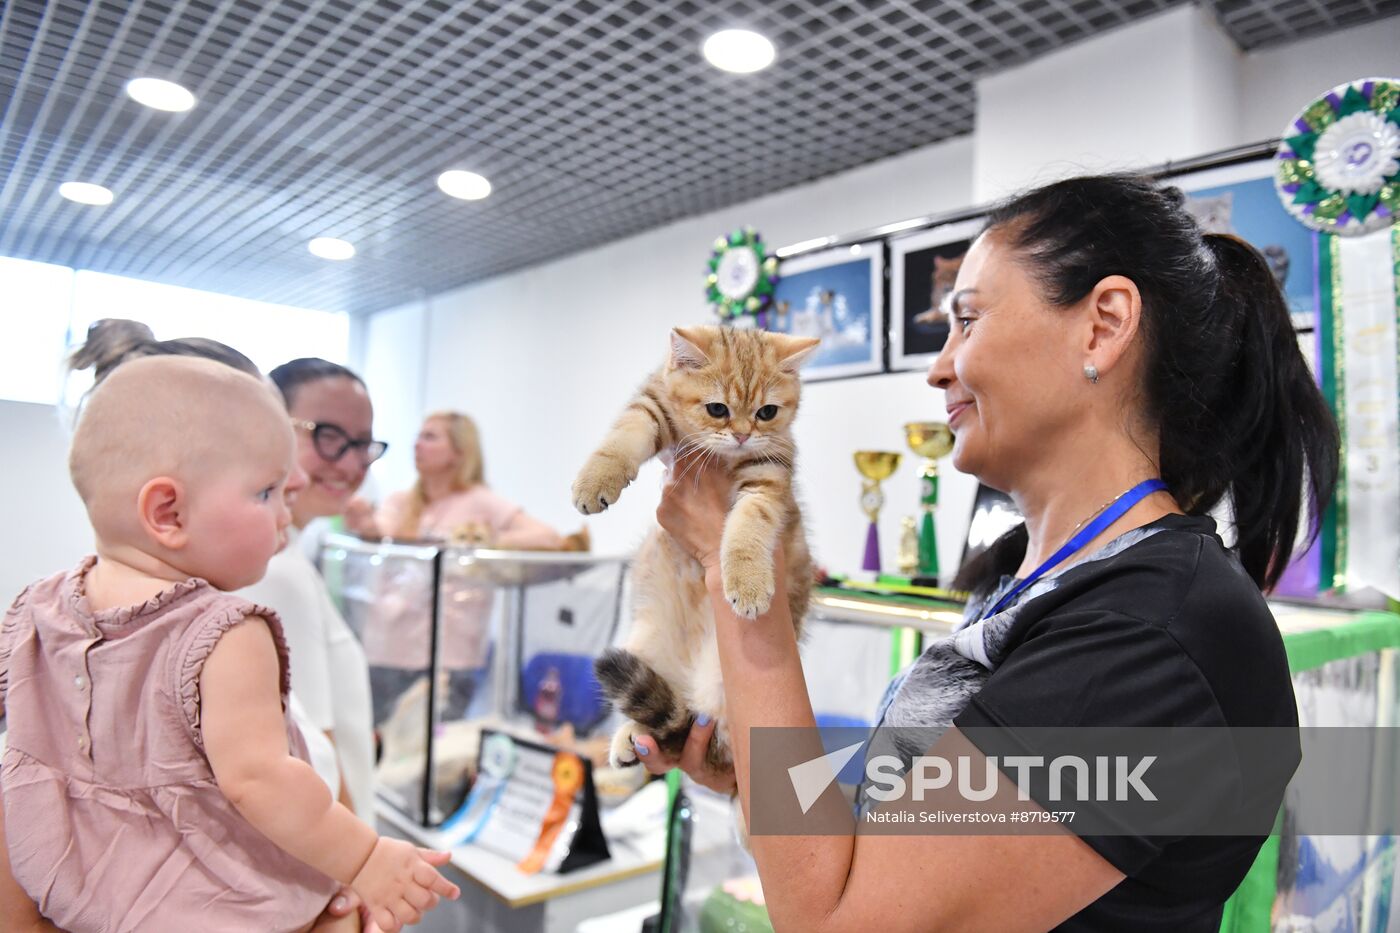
x=923 y=700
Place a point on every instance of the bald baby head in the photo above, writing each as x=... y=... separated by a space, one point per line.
x=179 y=417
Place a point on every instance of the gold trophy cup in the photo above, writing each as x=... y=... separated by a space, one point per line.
x=930 y=440
x=875 y=466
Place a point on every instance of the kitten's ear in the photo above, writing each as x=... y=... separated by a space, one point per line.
x=687 y=348
x=794 y=351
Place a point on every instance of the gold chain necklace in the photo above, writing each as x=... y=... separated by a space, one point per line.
x=1098 y=512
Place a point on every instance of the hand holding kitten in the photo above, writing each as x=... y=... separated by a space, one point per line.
x=721 y=407
x=693 y=759
x=694 y=506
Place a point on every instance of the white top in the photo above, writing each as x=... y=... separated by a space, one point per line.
x=330 y=676
x=318 y=748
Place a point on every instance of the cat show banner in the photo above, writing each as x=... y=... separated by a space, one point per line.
x=1337 y=171
x=533 y=804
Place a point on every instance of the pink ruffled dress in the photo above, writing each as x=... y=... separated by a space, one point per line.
x=112 y=816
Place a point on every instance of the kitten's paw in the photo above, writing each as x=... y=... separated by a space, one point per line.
x=748 y=586
x=599 y=485
x=621 y=752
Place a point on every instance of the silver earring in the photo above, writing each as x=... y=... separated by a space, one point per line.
x=1091 y=372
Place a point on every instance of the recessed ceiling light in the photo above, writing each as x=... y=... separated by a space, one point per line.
x=328 y=247
x=85 y=193
x=469 y=186
x=739 y=50
x=159 y=94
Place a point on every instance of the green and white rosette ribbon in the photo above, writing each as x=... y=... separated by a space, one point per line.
x=1337 y=169
x=498 y=756
x=1359 y=327
x=740 y=276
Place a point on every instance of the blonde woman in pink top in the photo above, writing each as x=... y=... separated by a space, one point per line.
x=153 y=779
x=449 y=502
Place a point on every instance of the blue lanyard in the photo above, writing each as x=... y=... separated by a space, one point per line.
x=1107 y=517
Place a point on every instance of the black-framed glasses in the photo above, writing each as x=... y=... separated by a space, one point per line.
x=332 y=442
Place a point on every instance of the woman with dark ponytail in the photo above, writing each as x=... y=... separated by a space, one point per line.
x=1238 y=416
x=1121 y=377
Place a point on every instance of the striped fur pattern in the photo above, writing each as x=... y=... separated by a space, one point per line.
x=727 y=396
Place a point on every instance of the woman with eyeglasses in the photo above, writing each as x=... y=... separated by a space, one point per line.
x=449 y=502
x=330 y=409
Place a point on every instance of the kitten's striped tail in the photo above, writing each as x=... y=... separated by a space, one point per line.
x=644 y=697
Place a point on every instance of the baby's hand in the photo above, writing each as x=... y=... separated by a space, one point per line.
x=398 y=883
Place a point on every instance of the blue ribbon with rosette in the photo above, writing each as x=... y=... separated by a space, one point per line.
x=498 y=757
x=1337 y=169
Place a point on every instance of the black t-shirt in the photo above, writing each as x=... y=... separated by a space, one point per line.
x=1168 y=632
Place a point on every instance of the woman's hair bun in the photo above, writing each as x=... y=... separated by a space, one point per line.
x=1174 y=196
x=109 y=342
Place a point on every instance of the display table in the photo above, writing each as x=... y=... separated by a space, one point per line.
x=624 y=921
x=884 y=611
x=498 y=898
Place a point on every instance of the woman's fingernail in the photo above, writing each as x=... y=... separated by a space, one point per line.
x=702 y=720
x=641 y=749
x=340 y=903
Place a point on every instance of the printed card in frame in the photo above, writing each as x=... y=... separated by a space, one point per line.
x=1241 y=200
x=923 y=268
x=838 y=296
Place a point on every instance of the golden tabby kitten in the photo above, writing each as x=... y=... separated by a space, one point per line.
x=729 y=395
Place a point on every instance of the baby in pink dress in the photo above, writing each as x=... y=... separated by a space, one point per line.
x=152 y=778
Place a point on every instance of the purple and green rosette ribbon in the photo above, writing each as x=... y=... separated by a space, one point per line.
x=1337 y=169
x=740 y=277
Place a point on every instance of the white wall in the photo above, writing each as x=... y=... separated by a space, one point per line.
x=47 y=529
x=1165 y=88
x=1214 y=63
x=1275 y=83
x=396 y=389
x=1139 y=95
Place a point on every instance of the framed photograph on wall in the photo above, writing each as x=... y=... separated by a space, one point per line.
x=1241 y=200
x=923 y=268
x=838 y=296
